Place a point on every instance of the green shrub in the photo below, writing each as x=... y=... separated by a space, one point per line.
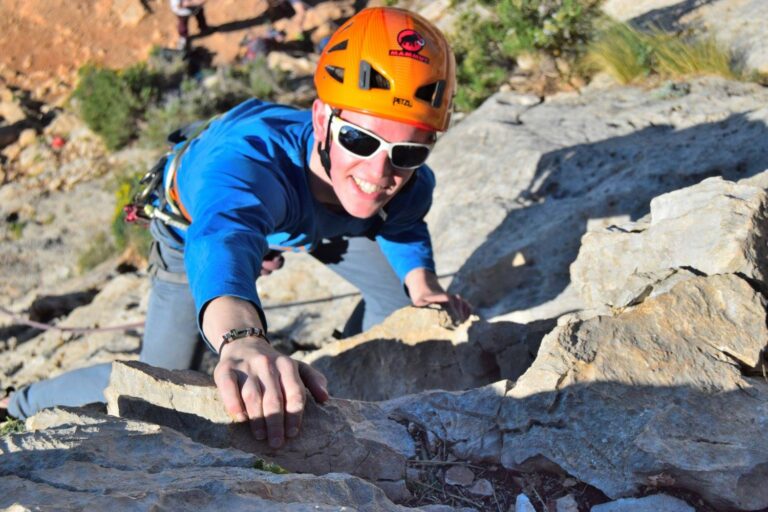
x=486 y=45
x=133 y=236
x=628 y=54
x=271 y=467
x=112 y=102
x=195 y=101
x=11 y=426
x=98 y=251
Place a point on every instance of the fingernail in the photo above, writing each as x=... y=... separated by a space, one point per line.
x=275 y=442
x=260 y=435
x=240 y=417
x=292 y=432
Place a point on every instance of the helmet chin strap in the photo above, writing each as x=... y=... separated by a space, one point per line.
x=324 y=152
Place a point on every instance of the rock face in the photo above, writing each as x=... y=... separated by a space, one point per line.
x=658 y=389
x=519 y=177
x=410 y=352
x=340 y=436
x=715 y=227
x=122 y=301
x=89 y=461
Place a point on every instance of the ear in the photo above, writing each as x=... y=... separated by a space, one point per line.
x=319 y=120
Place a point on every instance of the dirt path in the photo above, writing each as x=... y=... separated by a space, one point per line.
x=44 y=42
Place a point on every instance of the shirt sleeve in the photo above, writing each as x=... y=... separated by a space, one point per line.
x=404 y=237
x=234 y=202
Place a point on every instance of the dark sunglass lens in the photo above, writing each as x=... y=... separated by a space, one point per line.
x=409 y=156
x=357 y=142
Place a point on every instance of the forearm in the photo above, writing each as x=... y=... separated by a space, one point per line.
x=225 y=313
x=422 y=282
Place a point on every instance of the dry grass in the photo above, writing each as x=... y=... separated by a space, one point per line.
x=630 y=55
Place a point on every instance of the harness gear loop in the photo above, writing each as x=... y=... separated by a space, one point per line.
x=141 y=208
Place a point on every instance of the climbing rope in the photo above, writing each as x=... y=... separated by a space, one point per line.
x=77 y=330
x=136 y=325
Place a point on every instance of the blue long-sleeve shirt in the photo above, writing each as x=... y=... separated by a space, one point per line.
x=245 y=183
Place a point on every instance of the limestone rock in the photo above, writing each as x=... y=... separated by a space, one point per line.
x=521 y=178
x=627 y=9
x=129 y=12
x=714 y=227
x=566 y=504
x=121 y=301
x=467 y=421
x=459 y=475
x=89 y=461
x=420 y=343
x=339 y=436
x=662 y=388
x=11 y=112
x=523 y=504
x=655 y=503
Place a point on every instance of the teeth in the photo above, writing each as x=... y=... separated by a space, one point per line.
x=368 y=188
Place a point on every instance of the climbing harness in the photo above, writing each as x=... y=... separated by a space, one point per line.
x=150 y=201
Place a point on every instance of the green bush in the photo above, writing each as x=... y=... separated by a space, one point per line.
x=112 y=102
x=487 y=43
x=194 y=101
x=11 y=426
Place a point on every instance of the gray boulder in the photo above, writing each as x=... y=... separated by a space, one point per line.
x=521 y=181
x=715 y=227
x=339 y=436
x=661 y=389
x=79 y=460
x=655 y=503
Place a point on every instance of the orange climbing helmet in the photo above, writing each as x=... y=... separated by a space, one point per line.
x=390 y=63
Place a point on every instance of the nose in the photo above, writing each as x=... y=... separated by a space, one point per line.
x=379 y=165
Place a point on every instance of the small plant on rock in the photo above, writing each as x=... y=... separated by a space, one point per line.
x=11 y=426
x=629 y=54
x=492 y=34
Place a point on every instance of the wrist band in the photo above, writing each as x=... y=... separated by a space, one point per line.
x=246 y=332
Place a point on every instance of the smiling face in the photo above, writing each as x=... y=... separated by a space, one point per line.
x=362 y=186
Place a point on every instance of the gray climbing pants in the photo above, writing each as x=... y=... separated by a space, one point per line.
x=171 y=338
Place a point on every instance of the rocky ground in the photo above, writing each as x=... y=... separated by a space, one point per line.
x=613 y=241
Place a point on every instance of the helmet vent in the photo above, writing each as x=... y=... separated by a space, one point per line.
x=370 y=78
x=336 y=73
x=338 y=47
x=431 y=93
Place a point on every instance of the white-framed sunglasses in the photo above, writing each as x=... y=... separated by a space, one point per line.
x=364 y=144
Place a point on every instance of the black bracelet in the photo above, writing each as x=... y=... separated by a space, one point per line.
x=236 y=334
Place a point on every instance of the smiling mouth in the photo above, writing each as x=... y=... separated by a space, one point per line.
x=366 y=186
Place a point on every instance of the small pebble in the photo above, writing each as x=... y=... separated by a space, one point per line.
x=459 y=475
x=482 y=488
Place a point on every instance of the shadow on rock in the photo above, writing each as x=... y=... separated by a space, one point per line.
x=525 y=261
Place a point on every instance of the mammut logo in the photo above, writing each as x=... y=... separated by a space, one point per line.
x=410 y=40
x=402 y=101
x=411 y=43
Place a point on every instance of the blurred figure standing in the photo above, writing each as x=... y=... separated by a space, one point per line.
x=184 y=9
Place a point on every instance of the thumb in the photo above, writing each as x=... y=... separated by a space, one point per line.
x=315 y=382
